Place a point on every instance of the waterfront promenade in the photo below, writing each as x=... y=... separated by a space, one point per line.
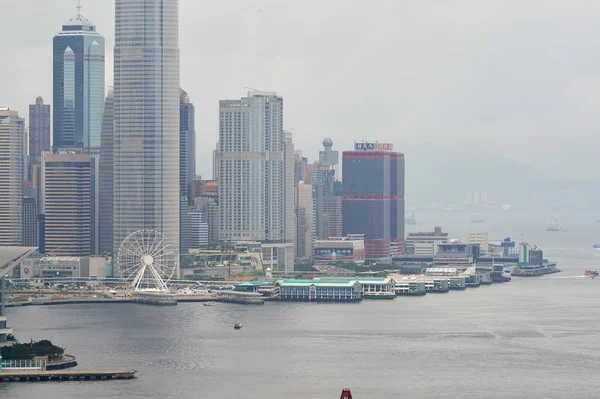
x=65 y=375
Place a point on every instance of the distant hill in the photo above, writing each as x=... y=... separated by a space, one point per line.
x=440 y=174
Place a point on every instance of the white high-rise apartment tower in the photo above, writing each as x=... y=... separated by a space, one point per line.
x=146 y=114
x=256 y=189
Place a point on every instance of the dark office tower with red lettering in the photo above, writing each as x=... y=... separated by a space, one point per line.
x=373 y=198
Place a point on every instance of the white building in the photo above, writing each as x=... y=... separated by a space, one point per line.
x=146 y=114
x=425 y=243
x=256 y=190
x=479 y=238
x=93 y=266
x=12 y=154
x=60 y=266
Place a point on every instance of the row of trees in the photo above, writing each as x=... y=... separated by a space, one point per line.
x=28 y=351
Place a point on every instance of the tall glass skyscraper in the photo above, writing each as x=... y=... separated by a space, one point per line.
x=78 y=64
x=105 y=211
x=146 y=112
x=12 y=146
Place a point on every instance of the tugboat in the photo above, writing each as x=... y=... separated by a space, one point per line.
x=591 y=273
x=238 y=326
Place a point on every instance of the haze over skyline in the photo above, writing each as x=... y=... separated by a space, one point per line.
x=519 y=78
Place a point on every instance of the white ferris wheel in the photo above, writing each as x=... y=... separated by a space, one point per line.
x=148 y=259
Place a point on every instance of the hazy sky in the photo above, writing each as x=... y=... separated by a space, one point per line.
x=518 y=77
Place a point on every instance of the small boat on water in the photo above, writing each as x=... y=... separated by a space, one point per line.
x=591 y=273
x=596 y=246
x=208 y=304
x=554 y=227
x=238 y=326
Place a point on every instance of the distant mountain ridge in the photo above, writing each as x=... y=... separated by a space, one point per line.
x=434 y=173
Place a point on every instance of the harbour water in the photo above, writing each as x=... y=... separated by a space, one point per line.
x=530 y=338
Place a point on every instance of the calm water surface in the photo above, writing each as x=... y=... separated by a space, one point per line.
x=530 y=338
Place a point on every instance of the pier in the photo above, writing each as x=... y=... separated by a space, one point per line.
x=64 y=375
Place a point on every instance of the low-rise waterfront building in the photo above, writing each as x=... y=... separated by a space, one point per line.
x=60 y=266
x=479 y=238
x=317 y=289
x=410 y=288
x=373 y=287
x=340 y=249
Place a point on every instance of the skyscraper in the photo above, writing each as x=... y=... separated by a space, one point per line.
x=78 y=74
x=30 y=222
x=12 y=154
x=256 y=189
x=373 y=197
x=146 y=113
x=67 y=191
x=187 y=147
x=39 y=130
x=105 y=208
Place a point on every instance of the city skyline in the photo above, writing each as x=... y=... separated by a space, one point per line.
x=468 y=104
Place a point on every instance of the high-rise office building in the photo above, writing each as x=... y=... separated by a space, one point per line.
x=30 y=222
x=146 y=113
x=12 y=155
x=78 y=74
x=304 y=229
x=67 y=191
x=105 y=206
x=256 y=189
x=39 y=130
x=194 y=228
x=216 y=163
x=187 y=147
x=373 y=197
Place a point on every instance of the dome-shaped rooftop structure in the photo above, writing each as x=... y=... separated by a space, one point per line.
x=328 y=143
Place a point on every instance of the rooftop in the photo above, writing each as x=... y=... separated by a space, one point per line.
x=318 y=282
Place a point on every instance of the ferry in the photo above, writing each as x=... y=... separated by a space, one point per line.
x=591 y=273
x=379 y=295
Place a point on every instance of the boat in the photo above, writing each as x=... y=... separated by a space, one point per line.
x=238 y=326
x=346 y=394
x=477 y=221
x=596 y=246
x=379 y=295
x=591 y=273
x=208 y=304
x=554 y=226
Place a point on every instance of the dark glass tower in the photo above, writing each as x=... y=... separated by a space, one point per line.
x=78 y=74
x=373 y=198
x=39 y=130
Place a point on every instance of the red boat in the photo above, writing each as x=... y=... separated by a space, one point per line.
x=591 y=273
x=346 y=394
